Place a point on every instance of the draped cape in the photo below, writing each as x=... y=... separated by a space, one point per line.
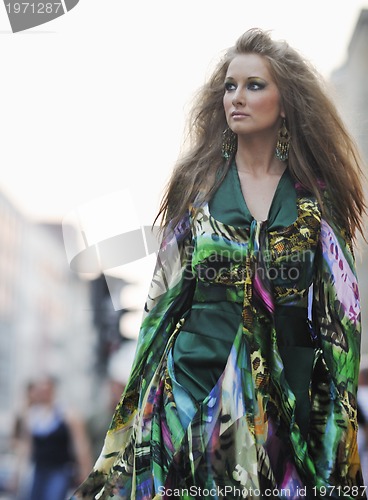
x=244 y=435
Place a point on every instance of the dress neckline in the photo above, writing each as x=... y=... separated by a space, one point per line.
x=242 y=201
x=227 y=206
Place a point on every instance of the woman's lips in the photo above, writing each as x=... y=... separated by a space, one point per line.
x=238 y=114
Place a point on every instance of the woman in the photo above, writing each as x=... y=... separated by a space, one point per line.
x=245 y=378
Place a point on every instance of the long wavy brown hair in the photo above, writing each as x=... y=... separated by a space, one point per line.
x=323 y=157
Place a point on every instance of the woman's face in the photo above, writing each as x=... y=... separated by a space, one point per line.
x=251 y=100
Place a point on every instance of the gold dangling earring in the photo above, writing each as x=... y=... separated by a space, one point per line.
x=228 y=143
x=283 y=142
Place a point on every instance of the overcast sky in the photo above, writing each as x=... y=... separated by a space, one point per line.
x=94 y=101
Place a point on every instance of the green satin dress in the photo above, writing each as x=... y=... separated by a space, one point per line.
x=202 y=348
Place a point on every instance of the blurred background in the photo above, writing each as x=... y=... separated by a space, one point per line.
x=93 y=104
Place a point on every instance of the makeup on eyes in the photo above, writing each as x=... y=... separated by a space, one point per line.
x=230 y=83
x=253 y=80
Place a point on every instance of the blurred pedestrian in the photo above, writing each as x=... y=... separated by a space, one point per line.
x=58 y=446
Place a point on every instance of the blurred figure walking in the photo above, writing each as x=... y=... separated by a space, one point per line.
x=59 y=447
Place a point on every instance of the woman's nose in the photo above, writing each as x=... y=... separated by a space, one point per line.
x=238 y=97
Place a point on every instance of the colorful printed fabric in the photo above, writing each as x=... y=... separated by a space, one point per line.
x=243 y=439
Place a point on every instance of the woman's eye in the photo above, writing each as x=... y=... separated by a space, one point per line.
x=229 y=86
x=255 y=86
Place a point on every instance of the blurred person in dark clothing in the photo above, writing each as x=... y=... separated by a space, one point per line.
x=57 y=442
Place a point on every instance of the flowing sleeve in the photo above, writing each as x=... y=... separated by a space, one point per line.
x=337 y=310
x=337 y=324
x=169 y=296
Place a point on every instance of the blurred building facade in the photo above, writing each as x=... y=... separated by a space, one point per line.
x=350 y=82
x=12 y=226
x=46 y=318
x=350 y=85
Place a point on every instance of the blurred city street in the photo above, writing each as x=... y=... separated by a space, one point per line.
x=67 y=338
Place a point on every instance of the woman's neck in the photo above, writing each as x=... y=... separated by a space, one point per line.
x=258 y=160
